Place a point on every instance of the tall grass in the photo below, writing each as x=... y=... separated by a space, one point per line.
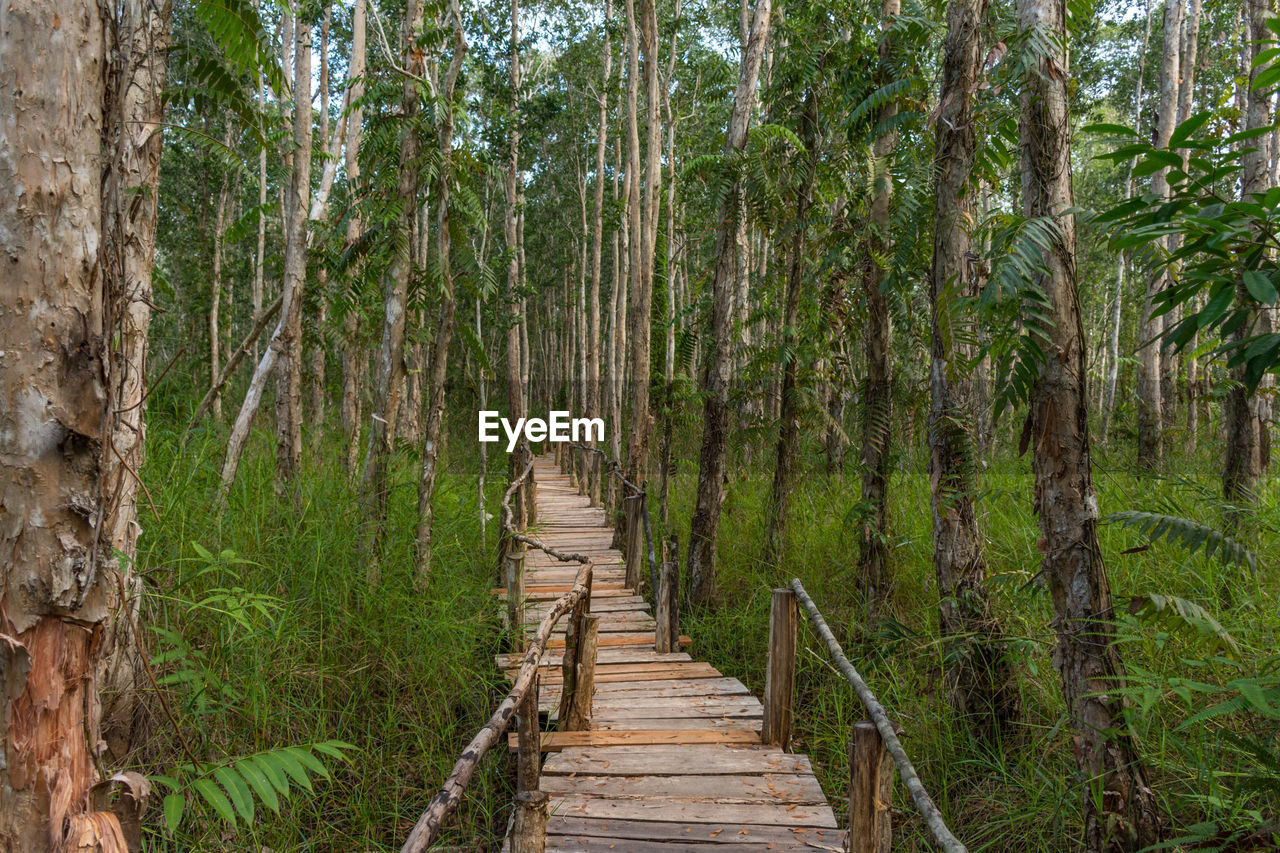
x=405 y=677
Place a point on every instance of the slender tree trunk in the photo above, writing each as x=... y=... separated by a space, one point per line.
x=593 y=401
x=289 y=362
x=518 y=460
x=715 y=379
x=1120 y=809
x=980 y=685
x=668 y=365
x=215 y=289
x=134 y=116
x=316 y=371
x=877 y=392
x=1151 y=403
x=775 y=543
x=1244 y=412
x=433 y=429
x=376 y=485
x=1113 y=361
x=282 y=351
x=635 y=236
x=255 y=295
x=621 y=199
x=353 y=356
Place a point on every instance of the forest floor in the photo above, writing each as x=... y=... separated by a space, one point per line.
x=408 y=677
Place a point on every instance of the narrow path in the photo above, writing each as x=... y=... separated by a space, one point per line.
x=673 y=759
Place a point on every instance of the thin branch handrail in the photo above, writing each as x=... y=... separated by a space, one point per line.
x=508 y=526
x=444 y=803
x=611 y=466
x=924 y=803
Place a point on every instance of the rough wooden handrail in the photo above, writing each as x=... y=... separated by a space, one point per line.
x=446 y=801
x=611 y=466
x=923 y=802
x=508 y=526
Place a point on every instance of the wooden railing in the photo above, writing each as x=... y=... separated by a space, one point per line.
x=874 y=749
x=636 y=530
x=578 y=676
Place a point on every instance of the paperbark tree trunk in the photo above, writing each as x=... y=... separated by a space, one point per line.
x=80 y=239
x=1244 y=412
x=353 y=357
x=1120 y=809
x=1151 y=401
x=289 y=362
x=980 y=685
x=433 y=428
x=391 y=359
x=715 y=379
x=788 y=448
x=518 y=460
x=215 y=288
x=1113 y=371
x=877 y=393
x=593 y=401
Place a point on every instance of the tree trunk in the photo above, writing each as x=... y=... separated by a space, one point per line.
x=1151 y=401
x=518 y=460
x=593 y=401
x=81 y=247
x=1245 y=413
x=215 y=289
x=1113 y=361
x=877 y=392
x=353 y=358
x=432 y=430
x=980 y=685
x=289 y=363
x=1123 y=815
x=715 y=378
x=391 y=359
x=788 y=449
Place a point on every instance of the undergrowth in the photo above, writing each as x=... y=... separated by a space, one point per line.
x=406 y=678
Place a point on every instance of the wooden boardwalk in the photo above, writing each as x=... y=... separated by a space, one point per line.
x=673 y=759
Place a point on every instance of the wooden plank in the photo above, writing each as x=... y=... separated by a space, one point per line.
x=708 y=836
x=692 y=723
x=635 y=672
x=776 y=789
x=661 y=760
x=569 y=844
x=553 y=741
x=676 y=687
x=614 y=703
x=617 y=654
x=621 y=638
x=693 y=811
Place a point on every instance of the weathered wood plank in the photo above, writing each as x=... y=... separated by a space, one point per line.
x=662 y=833
x=552 y=741
x=664 y=760
x=691 y=811
x=775 y=789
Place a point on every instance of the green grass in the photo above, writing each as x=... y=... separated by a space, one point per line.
x=408 y=677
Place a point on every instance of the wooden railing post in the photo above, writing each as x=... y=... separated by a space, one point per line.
x=780 y=674
x=870 y=791
x=531 y=499
x=578 y=718
x=634 y=540
x=529 y=829
x=513 y=561
x=529 y=737
x=574 y=636
x=667 y=637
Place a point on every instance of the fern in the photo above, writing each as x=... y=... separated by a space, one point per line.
x=1186 y=617
x=232 y=788
x=1188 y=534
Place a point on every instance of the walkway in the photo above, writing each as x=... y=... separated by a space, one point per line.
x=673 y=759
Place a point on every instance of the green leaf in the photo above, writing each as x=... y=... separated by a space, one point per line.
x=213 y=795
x=293 y=767
x=1106 y=129
x=275 y=773
x=260 y=784
x=235 y=786
x=1184 y=131
x=1260 y=287
x=308 y=760
x=174 y=804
